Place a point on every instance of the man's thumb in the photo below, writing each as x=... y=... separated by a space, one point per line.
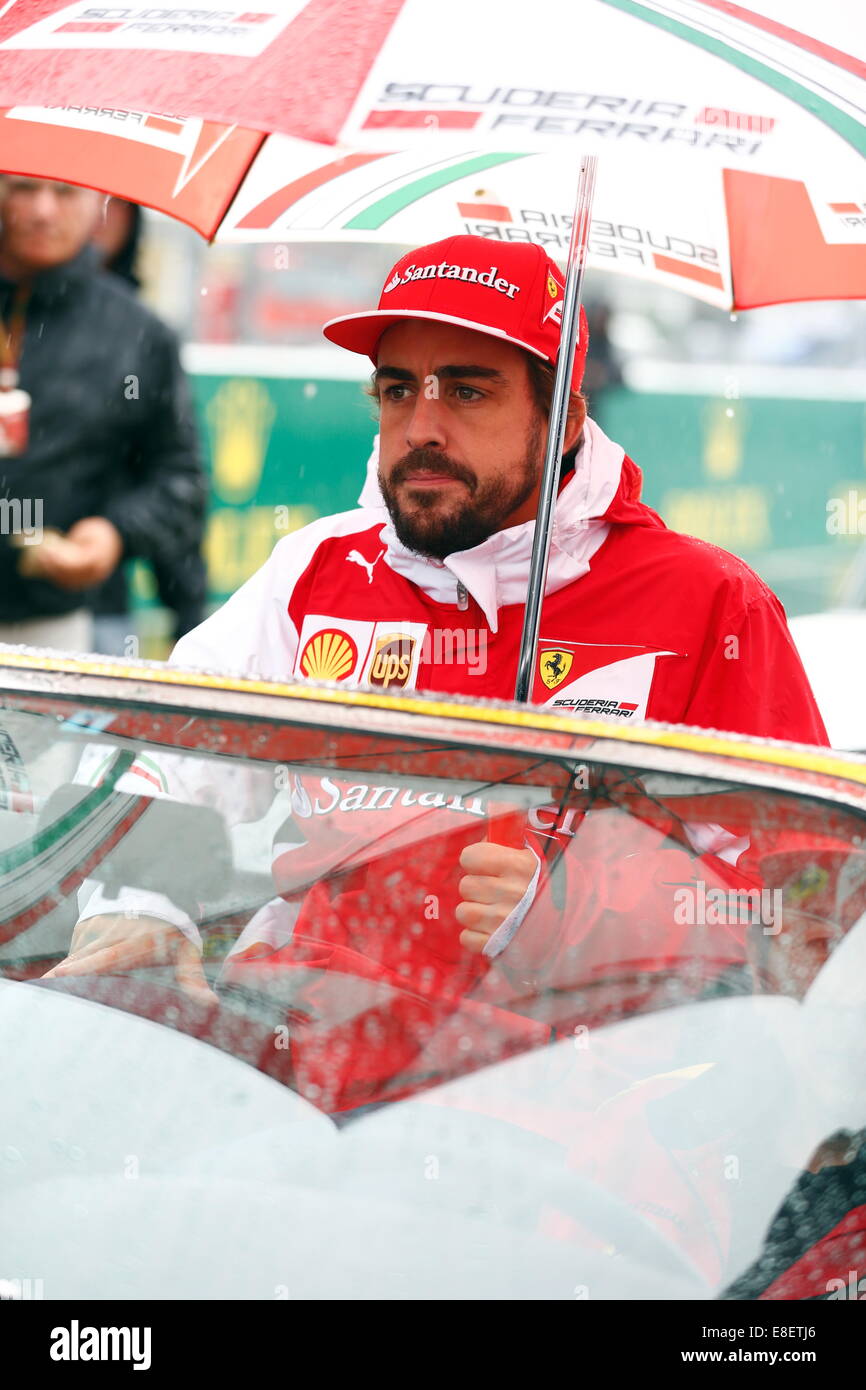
x=190 y=975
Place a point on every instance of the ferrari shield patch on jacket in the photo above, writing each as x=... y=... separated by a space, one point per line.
x=554 y=665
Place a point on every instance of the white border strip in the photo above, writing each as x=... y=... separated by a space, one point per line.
x=302 y=363
x=716 y=379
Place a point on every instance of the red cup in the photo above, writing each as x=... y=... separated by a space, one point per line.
x=14 y=422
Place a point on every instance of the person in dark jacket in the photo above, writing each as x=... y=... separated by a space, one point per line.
x=181 y=578
x=110 y=465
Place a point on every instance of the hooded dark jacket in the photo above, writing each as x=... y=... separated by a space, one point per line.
x=112 y=431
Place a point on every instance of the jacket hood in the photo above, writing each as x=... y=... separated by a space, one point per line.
x=603 y=490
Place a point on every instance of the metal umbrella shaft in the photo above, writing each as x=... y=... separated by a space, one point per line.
x=557 y=425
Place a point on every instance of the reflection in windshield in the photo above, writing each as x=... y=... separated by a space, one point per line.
x=666 y=998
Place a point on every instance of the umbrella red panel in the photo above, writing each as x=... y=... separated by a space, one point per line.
x=778 y=251
x=297 y=67
x=267 y=212
x=193 y=180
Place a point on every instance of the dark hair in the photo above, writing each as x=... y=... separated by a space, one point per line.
x=124 y=262
x=541 y=378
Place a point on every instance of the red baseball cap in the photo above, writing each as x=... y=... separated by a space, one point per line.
x=511 y=290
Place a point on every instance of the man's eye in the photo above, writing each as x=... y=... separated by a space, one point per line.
x=467 y=393
x=395 y=393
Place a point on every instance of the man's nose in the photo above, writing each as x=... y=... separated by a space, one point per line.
x=427 y=425
x=44 y=204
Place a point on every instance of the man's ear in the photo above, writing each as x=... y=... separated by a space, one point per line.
x=575 y=423
x=98 y=211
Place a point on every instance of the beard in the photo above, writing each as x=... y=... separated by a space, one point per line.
x=438 y=526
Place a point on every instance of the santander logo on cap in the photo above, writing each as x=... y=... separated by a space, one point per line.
x=515 y=294
x=445 y=271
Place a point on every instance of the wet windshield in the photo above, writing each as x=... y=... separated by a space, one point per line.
x=651 y=1069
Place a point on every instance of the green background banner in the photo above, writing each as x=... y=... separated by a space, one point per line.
x=756 y=476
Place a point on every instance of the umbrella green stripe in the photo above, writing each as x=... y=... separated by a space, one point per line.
x=851 y=130
x=54 y=833
x=378 y=213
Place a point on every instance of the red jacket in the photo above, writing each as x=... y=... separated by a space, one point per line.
x=638 y=621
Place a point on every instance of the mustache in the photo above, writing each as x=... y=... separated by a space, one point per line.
x=430 y=461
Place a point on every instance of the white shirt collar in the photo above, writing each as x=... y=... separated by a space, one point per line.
x=496 y=572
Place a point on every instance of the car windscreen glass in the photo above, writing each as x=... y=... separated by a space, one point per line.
x=662 y=1045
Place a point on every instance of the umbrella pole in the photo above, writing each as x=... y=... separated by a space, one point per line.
x=556 y=427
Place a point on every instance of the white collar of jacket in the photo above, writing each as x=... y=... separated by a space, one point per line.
x=496 y=572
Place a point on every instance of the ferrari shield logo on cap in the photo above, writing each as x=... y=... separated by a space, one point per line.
x=554 y=665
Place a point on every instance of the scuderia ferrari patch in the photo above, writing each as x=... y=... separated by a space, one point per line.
x=595 y=679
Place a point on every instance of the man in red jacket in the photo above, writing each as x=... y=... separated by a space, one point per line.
x=424 y=587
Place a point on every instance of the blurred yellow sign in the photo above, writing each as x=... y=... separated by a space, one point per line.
x=724 y=429
x=736 y=518
x=240 y=418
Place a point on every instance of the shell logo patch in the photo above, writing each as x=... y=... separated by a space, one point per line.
x=554 y=665
x=329 y=656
